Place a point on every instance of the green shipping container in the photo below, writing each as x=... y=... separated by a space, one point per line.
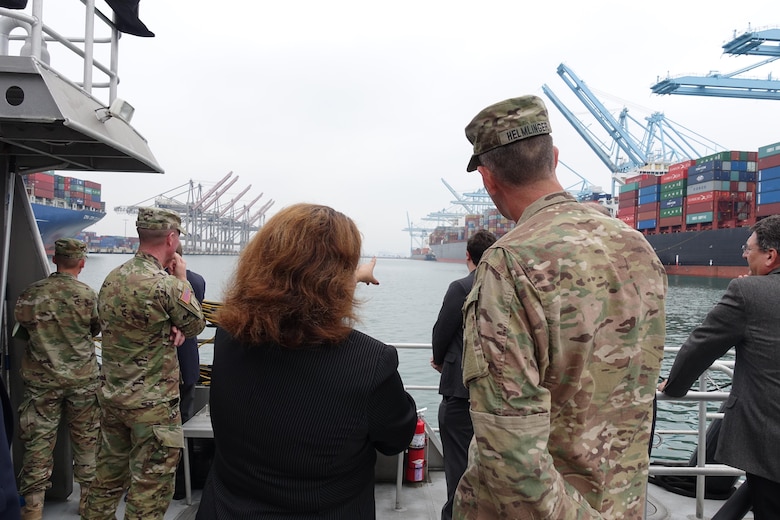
x=770 y=149
x=630 y=186
x=672 y=194
x=676 y=185
x=698 y=218
x=720 y=156
x=671 y=212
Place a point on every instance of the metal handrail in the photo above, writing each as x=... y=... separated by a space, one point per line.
x=702 y=396
x=701 y=469
x=39 y=33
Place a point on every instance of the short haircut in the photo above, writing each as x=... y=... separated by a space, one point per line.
x=294 y=283
x=478 y=243
x=154 y=236
x=66 y=262
x=524 y=161
x=767 y=232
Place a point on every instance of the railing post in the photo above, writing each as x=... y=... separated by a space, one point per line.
x=701 y=455
x=89 y=37
x=36 y=31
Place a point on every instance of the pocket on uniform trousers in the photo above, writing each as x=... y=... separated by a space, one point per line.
x=170 y=436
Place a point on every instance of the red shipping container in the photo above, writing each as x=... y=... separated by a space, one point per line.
x=680 y=167
x=698 y=198
x=650 y=207
x=764 y=210
x=44 y=193
x=41 y=178
x=769 y=162
x=649 y=180
x=648 y=215
x=670 y=221
x=701 y=207
x=628 y=219
x=638 y=178
x=674 y=176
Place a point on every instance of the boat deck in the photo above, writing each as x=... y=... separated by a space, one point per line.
x=421 y=501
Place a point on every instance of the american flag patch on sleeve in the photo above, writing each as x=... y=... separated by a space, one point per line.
x=186 y=296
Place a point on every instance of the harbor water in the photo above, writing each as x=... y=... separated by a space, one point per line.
x=403 y=308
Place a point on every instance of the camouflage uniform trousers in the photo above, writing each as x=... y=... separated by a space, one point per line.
x=141 y=447
x=39 y=419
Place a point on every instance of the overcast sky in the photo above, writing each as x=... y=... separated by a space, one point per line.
x=361 y=105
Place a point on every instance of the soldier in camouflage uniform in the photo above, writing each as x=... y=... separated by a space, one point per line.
x=60 y=373
x=145 y=314
x=564 y=335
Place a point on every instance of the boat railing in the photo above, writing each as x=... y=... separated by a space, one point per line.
x=702 y=396
x=83 y=47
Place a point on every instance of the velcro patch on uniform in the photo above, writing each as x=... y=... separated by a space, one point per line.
x=186 y=296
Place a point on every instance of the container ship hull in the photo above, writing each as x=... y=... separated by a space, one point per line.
x=55 y=223
x=714 y=253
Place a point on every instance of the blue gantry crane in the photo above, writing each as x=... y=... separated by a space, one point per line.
x=629 y=144
x=751 y=43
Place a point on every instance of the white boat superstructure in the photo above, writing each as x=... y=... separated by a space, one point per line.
x=51 y=122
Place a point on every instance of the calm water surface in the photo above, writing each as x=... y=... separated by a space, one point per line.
x=403 y=308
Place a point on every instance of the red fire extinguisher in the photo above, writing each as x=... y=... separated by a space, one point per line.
x=415 y=462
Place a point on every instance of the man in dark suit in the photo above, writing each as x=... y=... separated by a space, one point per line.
x=454 y=420
x=745 y=318
x=189 y=366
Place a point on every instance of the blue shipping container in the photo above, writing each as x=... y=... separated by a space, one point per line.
x=768 y=185
x=769 y=197
x=646 y=224
x=672 y=203
x=649 y=190
x=648 y=199
x=711 y=175
x=705 y=167
x=767 y=174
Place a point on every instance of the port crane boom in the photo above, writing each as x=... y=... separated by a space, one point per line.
x=751 y=43
x=661 y=142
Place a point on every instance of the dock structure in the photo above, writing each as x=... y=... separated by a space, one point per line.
x=216 y=222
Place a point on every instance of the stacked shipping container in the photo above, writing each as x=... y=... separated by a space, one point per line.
x=713 y=192
x=768 y=187
x=491 y=220
x=46 y=187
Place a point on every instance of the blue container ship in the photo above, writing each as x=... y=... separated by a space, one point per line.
x=63 y=206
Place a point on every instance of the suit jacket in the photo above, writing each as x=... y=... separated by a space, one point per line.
x=746 y=318
x=189 y=359
x=448 y=338
x=296 y=430
x=9 y=496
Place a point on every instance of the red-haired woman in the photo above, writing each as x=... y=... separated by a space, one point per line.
x=300 y=401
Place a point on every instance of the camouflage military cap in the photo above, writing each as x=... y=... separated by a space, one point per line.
x=158 y=218
x=70 y=248
x=504 y=123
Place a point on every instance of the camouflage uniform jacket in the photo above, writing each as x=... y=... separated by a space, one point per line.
x=564 y=335
x=138 y=303
x=61 y=318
